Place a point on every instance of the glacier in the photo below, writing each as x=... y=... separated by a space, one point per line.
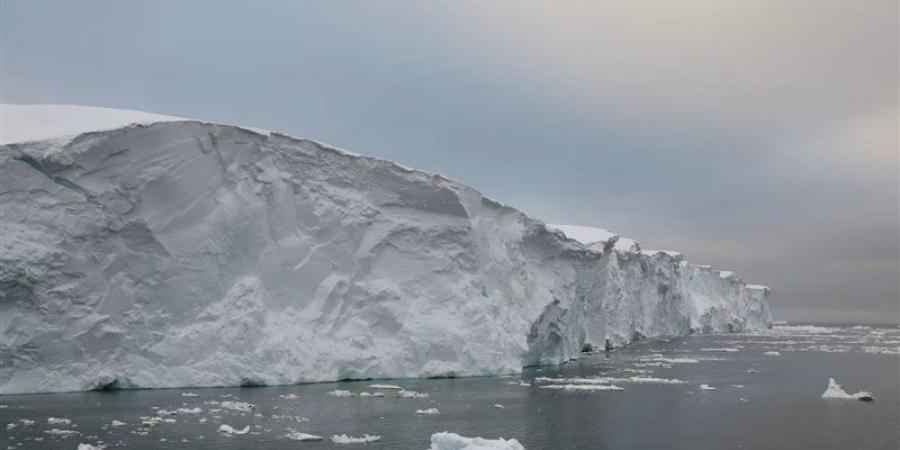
x=140 y=250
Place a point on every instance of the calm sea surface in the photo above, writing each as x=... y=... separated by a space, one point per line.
x=759 y=401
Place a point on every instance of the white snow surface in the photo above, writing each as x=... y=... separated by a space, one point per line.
x=453 y=441
x=188 y=254
x=586 y=235
x=20 y=123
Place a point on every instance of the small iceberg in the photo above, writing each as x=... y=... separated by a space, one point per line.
x=232 y=431
x=344 y=439
x=341 y=393
x=298 y=436
x=584 y=387
x=91 y=447
x=453 y=441
x=243 y=407
x=835 y=390
x=427 y=412
x=411 y=394
x=61 y=433
x=707 y=387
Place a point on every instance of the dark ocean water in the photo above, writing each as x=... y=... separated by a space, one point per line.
x=759 y=402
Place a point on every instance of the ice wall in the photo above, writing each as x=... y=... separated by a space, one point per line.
x=193 y=254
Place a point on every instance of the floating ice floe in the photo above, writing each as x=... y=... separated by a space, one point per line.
x=189 y=394
x=428 y=412
x=652 y=380
x=583 y=387
x=91 y=447
x=344 y=439
x=371 y=394
x=385 y=386
x=568 y=380
x=724 y=349
x=290 y=396
x=411 y=394
x=707 y=387
x=609 y=380
x=499 y=406
x=298 y=436
x=676 y=360
x=150 y=422
x=117 y=423
x=230 y=430
x=341 y=393
x=236 y=405
x=453 y=441
x=771 y=353
x=61 y=433
x=835 y=390
x=59 y=421
x=804 y=329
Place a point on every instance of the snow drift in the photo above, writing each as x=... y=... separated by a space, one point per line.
x=176 y=253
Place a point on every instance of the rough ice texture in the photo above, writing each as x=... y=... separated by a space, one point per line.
x=834 y=390
x=184 y=253
x=453 y=441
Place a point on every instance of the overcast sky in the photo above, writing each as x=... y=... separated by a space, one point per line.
x=757 y=135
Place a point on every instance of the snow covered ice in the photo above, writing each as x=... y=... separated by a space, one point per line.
x=180 y=253
x=298 y=436
x=230 y=430
x=834 y=390
x=453 y=441
x=345 y=439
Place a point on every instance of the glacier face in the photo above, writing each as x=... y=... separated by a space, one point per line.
x=184 y=253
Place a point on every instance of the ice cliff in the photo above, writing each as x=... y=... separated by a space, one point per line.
x=174 y=253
